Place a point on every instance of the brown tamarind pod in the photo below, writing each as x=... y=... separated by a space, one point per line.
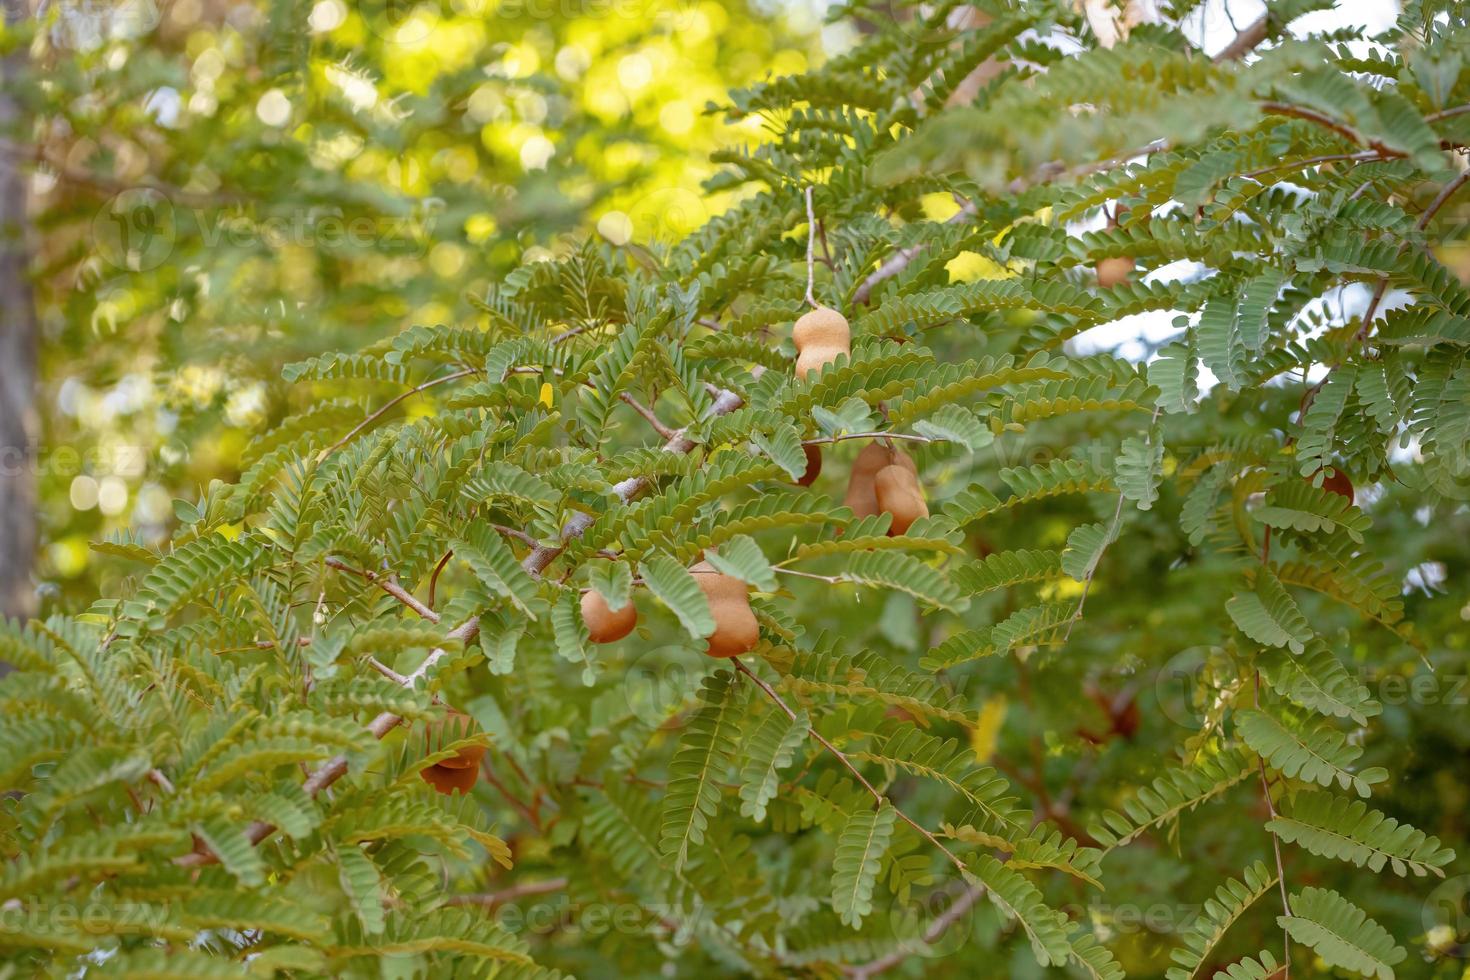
x=819 y=335
x=447 y=780
x=861 y=498
x=1114 y=271
x=604 y=624
x=736 y=629
x=900 y=494
x=1336 y=482
x=455 y=725
x=813 y=466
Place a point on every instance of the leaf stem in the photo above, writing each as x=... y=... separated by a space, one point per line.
x=841 y=757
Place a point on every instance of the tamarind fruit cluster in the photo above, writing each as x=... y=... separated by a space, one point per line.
x=736 y=629
x=458 y=773
x=885 y=481
x=819 y=335
x=605 y=624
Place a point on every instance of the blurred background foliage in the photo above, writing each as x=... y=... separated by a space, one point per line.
x=223 y=187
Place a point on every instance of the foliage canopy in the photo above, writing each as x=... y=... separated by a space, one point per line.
x=1138 y=616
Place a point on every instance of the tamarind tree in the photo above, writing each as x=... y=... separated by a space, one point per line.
x=1125 y=655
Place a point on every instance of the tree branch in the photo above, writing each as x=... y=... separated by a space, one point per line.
x=535 y=563
x=336 y=767
x=1326 y=121
x=900 y=260
x=679 y=442
x=648 y=414
x=387 y=585
x=1246 y=41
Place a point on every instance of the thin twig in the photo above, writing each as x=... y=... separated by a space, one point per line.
x=568 y=334
x=680 y=442
x=1326 y=121
x=956 y=911
x=1275 y=841
x=658 y=426
x=1246 y=41
x=336 y=767
x=841 y=757
x=811 y=245
x=455 y=376
x=829 y=579
x=490 y=900
x=1361 y=336
x=1458 y=110
x=845 y=436
x=387 y=585
x=1360 y=156
x=899 y=261
x=1092 y=572
x=517 y=533
x=434 y=578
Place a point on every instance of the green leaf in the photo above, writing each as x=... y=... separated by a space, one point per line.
x=706 y=750
x=1269 y=615
x=1262 y=967
x=1140 y=467
x=1336 y=827
x=495 y=565
x=1231 y=901
x=783 y=446
x=1299 y=506
x=672 y=584
x=1018 y=898
x=853 y=415
x=571 y=635
x=1085 y=547
x=860 y=850
x=954 y=424
x=226 y=840
x=1175 y=372
x=743 y=558
x=769 y=748
x=893 y=570
x=1315 y=752
x=1317 y=680
x=613 y=580
x=363 y=887
x=1341 y=933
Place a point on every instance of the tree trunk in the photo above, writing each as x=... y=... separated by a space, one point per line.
x=17 y=346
